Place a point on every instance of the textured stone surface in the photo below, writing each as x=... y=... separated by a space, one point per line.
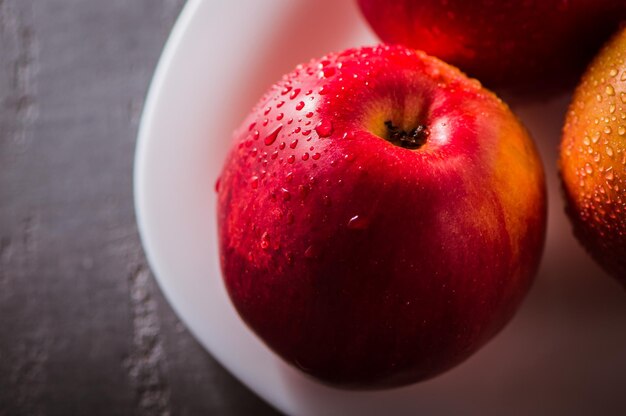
x=83 y=327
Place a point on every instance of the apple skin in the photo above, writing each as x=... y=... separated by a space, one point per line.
x=534 y=47
x=593 y=158
x=363 y=263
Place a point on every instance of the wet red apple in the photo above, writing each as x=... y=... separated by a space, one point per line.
x=593 y=158
x=381 y=217
x=526 y=45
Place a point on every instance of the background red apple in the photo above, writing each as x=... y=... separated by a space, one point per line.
x=535 y=46
x=593 y=158
x=381 y=217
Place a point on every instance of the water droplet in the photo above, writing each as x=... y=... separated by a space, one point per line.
x=613 y=72
x=251 y=126
x=588 y=169
x=349 y=157
x=622 y=97
x=586 y=141
x=280 y=104
x=294 y=93
x=357 y=223
x=265 y=121
x=297 y=129
x=609 y=151
x=275 y=154
x=281 y=146
x=327 y=72
x=265 y=241
x=621 y=130
x=285 y=194
x=609 y=174
x=267 y=110
x=596 y=137
x=305 y=156
x=291 y=159
x=306 y=132
x=324 y=128
x=217 y=184
x=300 y=105
x=607 y=130
x=271 y=138
x=280 y=116
x=316 y=156
x=256 y=135
x=309 y=114
x=323 y=91
x=254 y=182
x=599 y=98
x=310 y=252
x=623 y=78
x=609 y=90
x=289 y=177
x=286 y=89
x=612 y=108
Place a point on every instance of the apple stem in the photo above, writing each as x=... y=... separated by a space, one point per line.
x=412 y=139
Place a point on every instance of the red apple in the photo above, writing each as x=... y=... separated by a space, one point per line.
x=381 y=216
x=593 y=158
x=520 y=44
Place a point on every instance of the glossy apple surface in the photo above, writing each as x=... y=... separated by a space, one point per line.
x=381 y=216
x=593 y=158
x=531 y=46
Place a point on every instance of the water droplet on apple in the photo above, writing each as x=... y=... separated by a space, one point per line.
x=621 y=130
x=271 y=138
x=316 y=156
x=291 y=159
x=294 y=93
x=285 y=194
x=309 y=114
x=254 y=182
x=280 y=116
x=327 y=72
x=256 y=135
x=609 y=151
x=251 y=126
x=357 y=223
x=267 y=110
x=300 y=105
x=324 y=128
x=311 y=252
x=305 y=156
x=265 y=241
x=286 y=89
x=323 y=91
x=280 y=104
x=306 y=132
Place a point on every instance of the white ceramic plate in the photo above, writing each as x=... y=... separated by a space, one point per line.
x=220 y=57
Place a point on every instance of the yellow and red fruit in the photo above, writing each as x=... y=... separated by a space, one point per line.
x=593 y=158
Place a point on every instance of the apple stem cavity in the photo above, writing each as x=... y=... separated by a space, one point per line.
x=412 y=139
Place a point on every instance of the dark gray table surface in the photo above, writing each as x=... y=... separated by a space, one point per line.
x=83 y=328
